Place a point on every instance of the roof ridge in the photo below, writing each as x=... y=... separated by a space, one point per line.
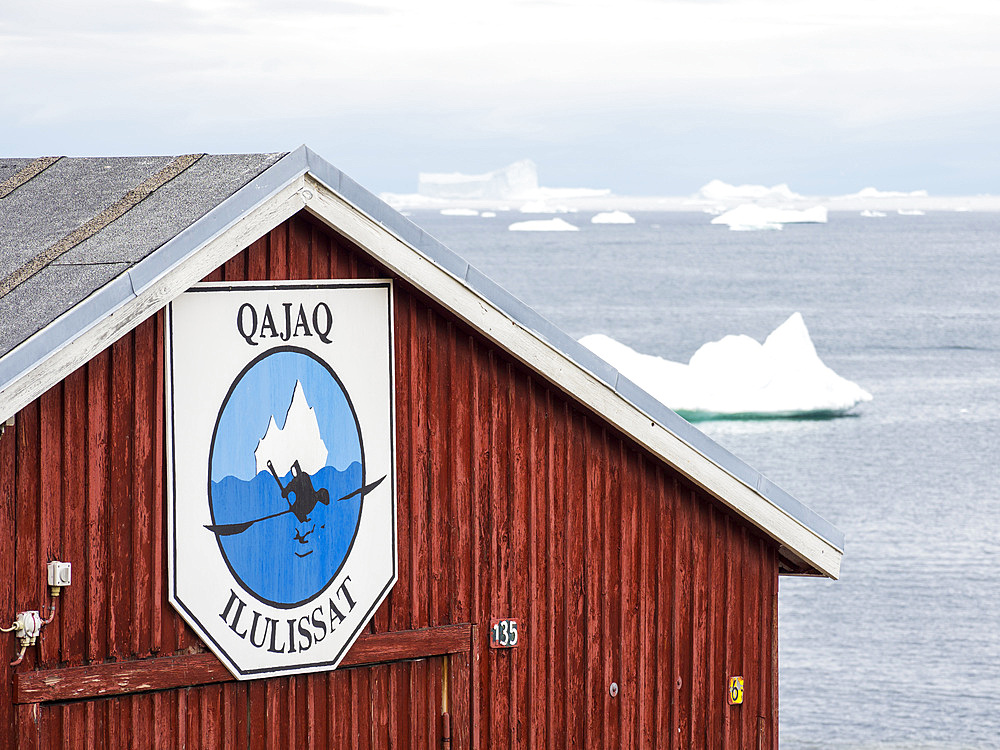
x=34 y=168
x=99 y=222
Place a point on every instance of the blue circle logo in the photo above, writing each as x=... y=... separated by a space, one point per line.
x=286 y=477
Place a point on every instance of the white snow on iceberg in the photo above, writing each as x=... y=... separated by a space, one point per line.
x=612 y=217
x=749 y=216
x=297 y=440
x=739 y=377
x=543 y=225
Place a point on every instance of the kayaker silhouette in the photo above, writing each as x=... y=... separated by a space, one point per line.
x=301 y=486
x=306 y=498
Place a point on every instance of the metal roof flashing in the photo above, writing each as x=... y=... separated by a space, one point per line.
x=285 y=181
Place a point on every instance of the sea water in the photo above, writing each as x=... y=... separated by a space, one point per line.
x=904 y=650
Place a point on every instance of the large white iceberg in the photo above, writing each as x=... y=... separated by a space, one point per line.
x=543 y=225
x=739 y=377
x=298 y=439
x=749 y=216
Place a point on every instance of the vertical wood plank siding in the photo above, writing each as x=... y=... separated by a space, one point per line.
x=513 y=502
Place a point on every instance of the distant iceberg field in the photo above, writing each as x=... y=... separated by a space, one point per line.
x=517 y=186
x=737 y=377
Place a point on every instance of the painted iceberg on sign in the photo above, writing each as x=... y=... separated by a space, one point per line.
x=737 y=377
x=298 y=440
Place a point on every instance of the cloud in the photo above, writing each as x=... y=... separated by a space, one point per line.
x=531 y=71
x=509 y=55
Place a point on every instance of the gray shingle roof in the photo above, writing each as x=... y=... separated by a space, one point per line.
x=84 y=236
x=54 y=212
x=10 y=167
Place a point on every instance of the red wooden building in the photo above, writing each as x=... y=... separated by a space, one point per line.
x=639 y=559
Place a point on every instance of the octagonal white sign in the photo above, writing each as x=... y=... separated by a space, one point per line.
x=281 y=468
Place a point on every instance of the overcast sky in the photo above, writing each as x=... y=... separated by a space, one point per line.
x=645 y=97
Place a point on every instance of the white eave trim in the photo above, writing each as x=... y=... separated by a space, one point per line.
x=566 y=374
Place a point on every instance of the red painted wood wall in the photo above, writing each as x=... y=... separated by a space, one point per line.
x=513 y=501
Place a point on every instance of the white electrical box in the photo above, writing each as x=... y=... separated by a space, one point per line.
x=60 y=573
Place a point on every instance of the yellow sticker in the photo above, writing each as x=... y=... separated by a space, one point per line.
x=735 y=691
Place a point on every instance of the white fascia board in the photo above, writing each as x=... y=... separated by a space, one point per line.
x=567 y=375
x=140 y=292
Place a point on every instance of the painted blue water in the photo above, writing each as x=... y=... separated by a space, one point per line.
x=283 y=559
x=903 y=651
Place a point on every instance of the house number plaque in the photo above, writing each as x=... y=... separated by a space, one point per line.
x=503 y=633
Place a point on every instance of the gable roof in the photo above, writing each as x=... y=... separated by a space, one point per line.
x=91 y=247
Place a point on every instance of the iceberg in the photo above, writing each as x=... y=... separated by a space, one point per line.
x=910 y=212
x=871 y=214
x=516 y=180
x=612 y=217
x=297 y=440
x=870 y=192
x=749 y=216
x=720 y=191
x=543 y=225
x=459 y=212
x=737 y=377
